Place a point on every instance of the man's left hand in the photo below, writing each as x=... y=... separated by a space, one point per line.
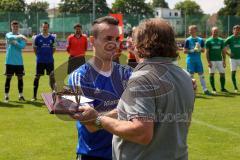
x=224 y=64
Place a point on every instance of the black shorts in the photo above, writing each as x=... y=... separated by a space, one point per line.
x=41 y=67
x=17 y=69
x=74 y=63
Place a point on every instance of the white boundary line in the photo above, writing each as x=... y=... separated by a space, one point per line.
x=224 y=130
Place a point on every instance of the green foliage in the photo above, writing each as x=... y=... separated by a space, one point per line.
x=231 y=8
x=12 y=5
x=12 y=8
x=36 y=10
x=83 y=6
x=229 y=14
x=159 y=3
x=189 y=7
x=134 y=8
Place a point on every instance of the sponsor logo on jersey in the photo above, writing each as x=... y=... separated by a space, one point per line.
x=237 y=45
x=110 y=103
x=216 y=47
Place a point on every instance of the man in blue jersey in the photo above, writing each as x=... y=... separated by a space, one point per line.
x=104 y=81
x=15 y=42
x=193 y=47
x=44 y=47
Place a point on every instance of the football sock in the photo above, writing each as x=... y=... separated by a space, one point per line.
x=222 y=81
x=6 y=94
x=203 y=83
x=212 y=82
x=20 y=84
x=35 y=86
x=7 y=84
x=234 y=80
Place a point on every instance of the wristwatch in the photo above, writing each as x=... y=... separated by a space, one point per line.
x=98 y=122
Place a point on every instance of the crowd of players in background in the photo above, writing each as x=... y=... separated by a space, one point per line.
x=216 y=50
x=44 y=45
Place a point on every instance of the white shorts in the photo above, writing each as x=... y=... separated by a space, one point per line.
x=217 y=65
x=234 y=63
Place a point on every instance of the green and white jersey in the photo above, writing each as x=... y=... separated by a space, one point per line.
x=234 y=45
x=215 y=47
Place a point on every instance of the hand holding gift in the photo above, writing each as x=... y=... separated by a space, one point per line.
x=197 y=47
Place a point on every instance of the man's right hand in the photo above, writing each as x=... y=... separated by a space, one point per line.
x=210 y=64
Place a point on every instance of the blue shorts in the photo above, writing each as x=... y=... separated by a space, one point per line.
x=194 y=66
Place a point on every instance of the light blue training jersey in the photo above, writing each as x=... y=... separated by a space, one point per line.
x=190 y=44
x=14 y=48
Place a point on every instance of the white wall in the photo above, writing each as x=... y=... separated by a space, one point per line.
x=167 y=13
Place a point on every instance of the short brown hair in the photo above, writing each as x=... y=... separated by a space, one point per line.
x=107 y=20
x=45 y=23
x=77 y=25
x=156 y=37
x=14 y=22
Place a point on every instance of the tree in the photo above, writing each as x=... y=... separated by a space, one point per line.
x=12 y=6
x=231 y=8
x=189 y=7
x=134 y=8
x=228 y=15
x=83 y=6
x=159 y=3
x=37 y=11
x=13 y=9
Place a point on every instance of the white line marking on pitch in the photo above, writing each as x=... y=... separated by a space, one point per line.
x=216 y=128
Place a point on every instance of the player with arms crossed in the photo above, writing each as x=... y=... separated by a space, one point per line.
x=14 y=61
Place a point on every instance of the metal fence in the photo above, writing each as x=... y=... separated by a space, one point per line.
x=62 y=24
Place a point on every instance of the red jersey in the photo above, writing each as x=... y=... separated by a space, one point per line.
x=77 y=46
x=131 y=55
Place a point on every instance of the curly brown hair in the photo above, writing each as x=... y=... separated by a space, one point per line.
x=156 y=38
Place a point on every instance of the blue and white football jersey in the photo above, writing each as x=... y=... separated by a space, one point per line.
x=106 y=92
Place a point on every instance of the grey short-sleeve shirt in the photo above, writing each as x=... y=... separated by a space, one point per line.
x=163 y=92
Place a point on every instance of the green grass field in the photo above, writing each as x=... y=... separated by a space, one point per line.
x=28 y=132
